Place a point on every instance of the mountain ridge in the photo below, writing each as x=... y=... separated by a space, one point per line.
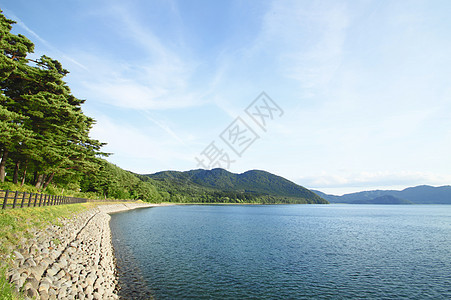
x=253 y=182
x=421 y=194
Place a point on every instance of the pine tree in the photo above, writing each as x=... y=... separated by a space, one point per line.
x=43 y=126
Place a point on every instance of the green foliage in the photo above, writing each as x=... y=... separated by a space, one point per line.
x=6 y=288
x=110 y=181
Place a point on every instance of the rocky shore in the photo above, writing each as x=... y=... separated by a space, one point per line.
x=72 y=261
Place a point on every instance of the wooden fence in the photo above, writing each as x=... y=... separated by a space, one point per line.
x=15 y=199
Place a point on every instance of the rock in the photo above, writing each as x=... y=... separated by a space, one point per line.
x=18 y=255
x=15 y=276
x=90 y=279
x=63 y=262
x=29 y=262
x=97 y=296
x=101 y=291
x=47 y=280
x=52 y=293
x=44 y=295
x=32 y=281
x=44 y=287
x=89 y=290
x=37 y=271
x=31 y=293
x=52 y=271
x=19 y=283
x=62 y=293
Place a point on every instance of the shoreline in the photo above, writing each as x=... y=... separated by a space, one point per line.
x=75 y=260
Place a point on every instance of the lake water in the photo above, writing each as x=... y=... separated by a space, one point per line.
x=284 y=252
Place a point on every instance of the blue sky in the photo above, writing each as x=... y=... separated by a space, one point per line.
x=363 y=87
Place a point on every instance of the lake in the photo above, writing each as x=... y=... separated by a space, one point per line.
x=284 y=252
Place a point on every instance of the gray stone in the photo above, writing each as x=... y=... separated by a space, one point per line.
x=47 y=280
x=32 y=281
x=52 y=271
x=37 y=271
x=19 y=283
x=29 y=263
x=15 y=276
x=101 y=291
x=31 y=292
x=44 y=286
x=44 y=295
x=90 y=279
x=89 y=290
x=61 y=274
x=18 y=255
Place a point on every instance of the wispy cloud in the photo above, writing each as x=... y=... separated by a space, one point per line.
x=159 y=78
x=36 y=37
x=310 y=36
x=138 y=149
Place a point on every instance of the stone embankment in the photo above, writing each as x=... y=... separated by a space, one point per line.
x=72 y=261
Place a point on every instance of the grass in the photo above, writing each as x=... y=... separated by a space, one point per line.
x=14 y=226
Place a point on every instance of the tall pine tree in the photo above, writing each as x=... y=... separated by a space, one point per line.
x=43 y=126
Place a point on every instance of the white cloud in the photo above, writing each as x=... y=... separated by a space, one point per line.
x=311 y=38
x=379 y=178
x=137 y=149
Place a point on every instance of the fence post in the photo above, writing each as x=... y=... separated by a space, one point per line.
x=40 y=200
x=6 y=199
x=29 y=199
x=35 y=199
x=23 y=199
x=15 y=199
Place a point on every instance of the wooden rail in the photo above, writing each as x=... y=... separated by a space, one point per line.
x=16 y=199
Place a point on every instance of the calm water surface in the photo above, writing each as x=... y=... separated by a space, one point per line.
x=284 y=252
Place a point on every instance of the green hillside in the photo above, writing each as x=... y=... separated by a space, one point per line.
x=252 y=186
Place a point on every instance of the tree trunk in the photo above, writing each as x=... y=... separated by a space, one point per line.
x=48 y=181
x=2 y=165
x=24 y=173
x=39 y=181
x=16 y=172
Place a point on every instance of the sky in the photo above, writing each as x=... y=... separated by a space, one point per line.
x=338 y=96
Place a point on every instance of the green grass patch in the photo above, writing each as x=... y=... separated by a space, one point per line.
x=6 y=289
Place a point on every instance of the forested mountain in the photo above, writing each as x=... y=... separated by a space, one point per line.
x=422 y=194
x=251 y=186
x=386 y=199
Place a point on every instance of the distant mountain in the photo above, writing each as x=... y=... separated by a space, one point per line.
x=422 y=194
x=386 y=199
x=261 y=184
